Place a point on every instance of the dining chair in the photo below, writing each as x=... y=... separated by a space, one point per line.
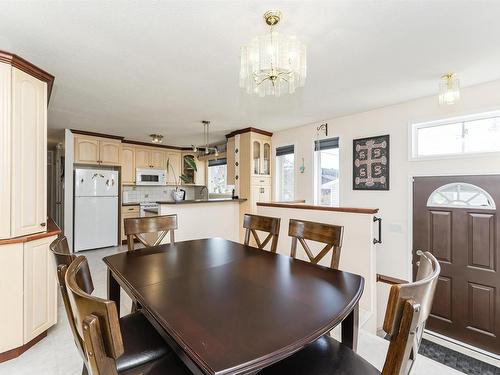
x=270 y=225
x=106 y=343
x=408 y=308
x=140 y=227
x=328 y=234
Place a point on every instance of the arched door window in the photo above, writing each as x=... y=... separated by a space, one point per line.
x=461 y=195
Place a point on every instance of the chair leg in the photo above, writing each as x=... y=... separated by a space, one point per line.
x=84 y=370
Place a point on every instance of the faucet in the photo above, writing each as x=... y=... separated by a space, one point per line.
x=201 y=191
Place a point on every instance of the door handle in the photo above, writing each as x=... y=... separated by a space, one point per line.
x=379 y=239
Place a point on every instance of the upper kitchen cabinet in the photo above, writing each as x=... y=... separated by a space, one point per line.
x=261 y=155
x=128 y=165
x=24 y=91
x=142 y=157
x=175 y=160
x=97 y=150
x=194 y=177
x=158 y=160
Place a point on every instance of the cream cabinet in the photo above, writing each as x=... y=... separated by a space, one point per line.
x=158 y=159
x=174 y=158
x=96 y=150
x=128 y=165
x=40 y=288
x=261 y=156
x=197 y=177
x=29 y=154
x=142 y=157
x=128 y=212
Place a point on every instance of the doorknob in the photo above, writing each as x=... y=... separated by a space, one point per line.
x=43 y=224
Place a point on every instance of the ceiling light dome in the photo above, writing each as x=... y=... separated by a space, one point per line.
x=273 y=64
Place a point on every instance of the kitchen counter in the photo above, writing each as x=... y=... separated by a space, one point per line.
x=215 y=200
x=130 y=204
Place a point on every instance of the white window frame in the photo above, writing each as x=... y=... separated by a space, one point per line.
x=413 y=136
x=316 y=162
x=277 y=172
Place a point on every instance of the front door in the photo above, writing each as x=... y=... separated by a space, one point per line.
x=456 y=219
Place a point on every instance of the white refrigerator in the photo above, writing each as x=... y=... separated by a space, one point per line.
x=96 y=209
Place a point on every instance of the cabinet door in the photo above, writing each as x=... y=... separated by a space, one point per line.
x=265 y=195
x=126 y=215
x=86 y=150
x=230 y=157
x=199 y=176
x=128 y=165
x=142 y=158
x=157 y=159
x=256 y=156
x=29 y=154
x=266 y=158
x=109 y=152
x=175 y=161
x=11 y=292
x=40 y=288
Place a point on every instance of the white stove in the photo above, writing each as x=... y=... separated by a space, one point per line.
x=150 y=206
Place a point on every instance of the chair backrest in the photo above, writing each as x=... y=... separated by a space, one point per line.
x=330 y=235
x=139 y=226
x=97 y=322
x=408 y=308
x=270 y=225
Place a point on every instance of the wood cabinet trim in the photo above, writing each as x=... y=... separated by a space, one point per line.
x=29 y=68
x=52 y=230
x=93 y=134
x=250 y=129
x=16 y=352
x=320 y=208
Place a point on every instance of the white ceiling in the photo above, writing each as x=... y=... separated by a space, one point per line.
x=138 y=67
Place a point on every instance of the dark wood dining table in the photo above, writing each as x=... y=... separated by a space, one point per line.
x=227 y=308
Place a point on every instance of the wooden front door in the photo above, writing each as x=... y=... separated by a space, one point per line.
x=456 y=219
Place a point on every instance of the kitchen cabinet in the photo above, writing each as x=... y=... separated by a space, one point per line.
x=231 y=161
x=128 y=165
x=261 y=156
x=195 y=177
x=158 y=159
x=128 y=212
x=40 y=288
x=174 y=158
x=96 y=150
x=29 y=154
x=261 y=194
x=142 y=157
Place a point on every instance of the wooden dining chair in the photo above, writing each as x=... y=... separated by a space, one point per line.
x=109 y=344
x=328 y=234
x=270 y=225
x=141 y=226
x=408 y=308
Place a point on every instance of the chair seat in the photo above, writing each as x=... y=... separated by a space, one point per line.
x=169 y=364
x=325 y=356
x=141 y=342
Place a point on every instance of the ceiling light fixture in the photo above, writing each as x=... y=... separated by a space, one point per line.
x=273 y=64
x=449 y=89
x=156 y=138
x=206 y=148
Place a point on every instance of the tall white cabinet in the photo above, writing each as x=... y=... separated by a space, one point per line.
x=28 y=283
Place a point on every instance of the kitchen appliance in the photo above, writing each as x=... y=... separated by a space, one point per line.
x=96 y=209
x=150 y=177
x=149 y=209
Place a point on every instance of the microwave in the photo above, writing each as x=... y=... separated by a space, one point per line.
x=150 y=177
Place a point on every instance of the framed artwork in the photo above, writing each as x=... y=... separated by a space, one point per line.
x=370 y=170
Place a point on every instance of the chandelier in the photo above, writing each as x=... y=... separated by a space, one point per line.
x=273 y=64
x=449 y=89
x=205 y=149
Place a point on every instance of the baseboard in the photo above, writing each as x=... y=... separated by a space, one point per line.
x=461 y=347
x=16 y=352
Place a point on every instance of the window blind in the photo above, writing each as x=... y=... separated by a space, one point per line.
x=325 y=144
x=284 y=150
x=213 y=163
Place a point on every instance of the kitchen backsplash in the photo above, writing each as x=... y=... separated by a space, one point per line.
x=137 y=194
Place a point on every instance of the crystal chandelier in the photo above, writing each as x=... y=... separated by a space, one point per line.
x=449 y=89
x=273 y=64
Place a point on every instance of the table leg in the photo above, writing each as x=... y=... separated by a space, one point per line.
x=114 y=291
x=350 y=327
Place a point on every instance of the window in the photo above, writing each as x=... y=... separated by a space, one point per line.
x=217 y=172
x=326 y=172
x=459 y=136
x=285 y=170
x=461 y=195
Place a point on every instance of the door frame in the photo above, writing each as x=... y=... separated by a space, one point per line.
x=451 y=343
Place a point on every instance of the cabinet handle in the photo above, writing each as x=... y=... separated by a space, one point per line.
x=131 y=209
x=43 y=224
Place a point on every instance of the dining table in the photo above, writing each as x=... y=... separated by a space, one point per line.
x=229 y=308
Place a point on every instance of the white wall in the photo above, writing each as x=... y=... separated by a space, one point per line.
x=394 y=255
x=68 y=186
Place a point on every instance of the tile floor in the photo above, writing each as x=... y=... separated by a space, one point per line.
x=57 y=355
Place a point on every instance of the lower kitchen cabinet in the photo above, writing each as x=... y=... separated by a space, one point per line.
x=28 y=291
x=128 y=212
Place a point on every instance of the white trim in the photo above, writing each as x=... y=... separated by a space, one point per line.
x=413 y=128
x=461 y=347
x=439 y=189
